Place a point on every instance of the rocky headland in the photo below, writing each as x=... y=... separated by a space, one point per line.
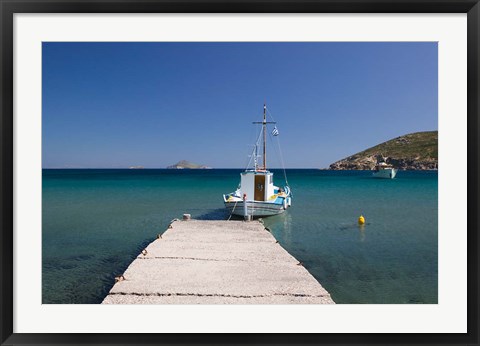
x=415 y=151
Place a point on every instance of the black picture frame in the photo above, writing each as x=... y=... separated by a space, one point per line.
x=10 y=7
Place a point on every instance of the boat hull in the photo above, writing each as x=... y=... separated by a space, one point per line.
x=255 y=208
x=387 y=173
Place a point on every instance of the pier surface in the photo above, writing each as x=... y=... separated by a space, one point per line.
x=216 y=262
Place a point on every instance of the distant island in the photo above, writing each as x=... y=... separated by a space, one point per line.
x=136 y=167
x=415 y=151
x=184 y=164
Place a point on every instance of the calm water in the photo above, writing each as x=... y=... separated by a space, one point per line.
x=95 y=222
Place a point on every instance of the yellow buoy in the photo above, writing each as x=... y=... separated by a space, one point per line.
x=361 y=220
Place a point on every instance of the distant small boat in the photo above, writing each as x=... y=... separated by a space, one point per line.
x=256 y=195
x=385 y=171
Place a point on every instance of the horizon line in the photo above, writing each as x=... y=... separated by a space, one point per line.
x=175 y=169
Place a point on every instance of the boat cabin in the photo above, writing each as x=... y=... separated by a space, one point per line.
x=258 y=186
x=382 y=165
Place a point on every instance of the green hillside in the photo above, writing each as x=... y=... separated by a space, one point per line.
x=413 y=151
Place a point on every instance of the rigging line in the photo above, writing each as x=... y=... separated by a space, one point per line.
x=283 y=163
x=280 y=155
x=274 y=149
x=232 y=211
x=270 y=115
x=252 y=155
x=279 y=149
x=254 y=149
x=249 y=158
x=253 y=134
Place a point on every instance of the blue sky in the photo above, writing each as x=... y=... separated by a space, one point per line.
x=112 y=105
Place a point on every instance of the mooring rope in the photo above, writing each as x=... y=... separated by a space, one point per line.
x=232 y=211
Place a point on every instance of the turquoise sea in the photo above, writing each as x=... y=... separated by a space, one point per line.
x=96 y=221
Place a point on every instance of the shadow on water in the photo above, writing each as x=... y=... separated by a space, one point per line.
x=221 y=214
x=280 y=224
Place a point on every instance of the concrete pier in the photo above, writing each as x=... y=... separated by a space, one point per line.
x=216 y=262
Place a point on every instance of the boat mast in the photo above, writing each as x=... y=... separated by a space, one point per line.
x=264 y=129
x=264 y=137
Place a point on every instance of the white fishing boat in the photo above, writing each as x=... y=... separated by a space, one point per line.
x=256 y=195
x=384 y=170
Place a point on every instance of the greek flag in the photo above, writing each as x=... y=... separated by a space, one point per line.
x=275 y=131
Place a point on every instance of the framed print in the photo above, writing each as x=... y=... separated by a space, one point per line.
x=239 y=172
